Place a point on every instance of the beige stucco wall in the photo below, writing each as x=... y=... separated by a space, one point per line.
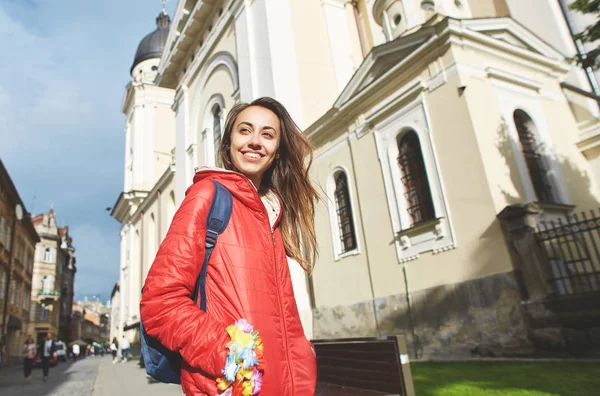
x=164 y=138
x=488 y=8
x=316 y=74
x=205 y=84
x=492 y=126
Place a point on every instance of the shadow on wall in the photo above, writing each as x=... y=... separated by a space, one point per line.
x=578 y=181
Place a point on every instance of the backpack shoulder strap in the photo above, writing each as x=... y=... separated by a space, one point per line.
x=216 y=223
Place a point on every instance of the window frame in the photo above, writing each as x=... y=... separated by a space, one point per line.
x=410 y=239
x=424 y=209
x=208 y=137
x=338 y=250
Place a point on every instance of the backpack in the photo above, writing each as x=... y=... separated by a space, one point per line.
x=161 y=363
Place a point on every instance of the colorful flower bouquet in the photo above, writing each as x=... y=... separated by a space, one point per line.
x=245 y=362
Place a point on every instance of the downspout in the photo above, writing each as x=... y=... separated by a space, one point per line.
x=361 y=37
x=141 y=252
x=362 y=226
x=411 y=318
x=158 y=222
x=579 y=47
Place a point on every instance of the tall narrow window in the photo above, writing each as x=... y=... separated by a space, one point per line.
x=344 y=212
x=2 y=225
x=47 y=255
x=43 y=313
x=3 y=285
x=46 y=284
x=414 y=178
x=216 y=112
x=533 y=158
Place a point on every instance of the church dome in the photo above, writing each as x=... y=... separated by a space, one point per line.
x=152 y=46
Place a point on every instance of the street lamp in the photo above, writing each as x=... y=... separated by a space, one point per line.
x=17 y=216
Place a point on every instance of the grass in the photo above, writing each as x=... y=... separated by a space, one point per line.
x=506 y=378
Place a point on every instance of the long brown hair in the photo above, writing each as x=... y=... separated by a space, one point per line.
x=288 y=177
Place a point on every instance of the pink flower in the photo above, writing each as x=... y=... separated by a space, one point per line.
x=256 y=381
x=244 y=326
x=228 y=392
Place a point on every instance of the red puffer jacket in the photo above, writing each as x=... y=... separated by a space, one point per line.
x=248 y=277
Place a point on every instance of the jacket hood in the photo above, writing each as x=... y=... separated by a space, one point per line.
x=239 y=185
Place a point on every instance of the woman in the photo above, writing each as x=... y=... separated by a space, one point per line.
x=29 y=354
x=114 y=348
x=266 y=159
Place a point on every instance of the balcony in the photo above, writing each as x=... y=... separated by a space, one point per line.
x=47 y=296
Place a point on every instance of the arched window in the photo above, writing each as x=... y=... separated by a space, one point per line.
x=343 y=208
x=47 y=255
x=217 y=113
x=533 y=157
x=414 y=178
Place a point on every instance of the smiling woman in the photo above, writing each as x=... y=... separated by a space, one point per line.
x=247 y=297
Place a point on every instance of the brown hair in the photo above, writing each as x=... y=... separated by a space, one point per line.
x=287 y=177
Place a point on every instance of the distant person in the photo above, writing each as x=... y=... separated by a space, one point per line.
x=29 y=354
x=125 y=348
x=76 y=351
x=114 y=348
x=47 y=351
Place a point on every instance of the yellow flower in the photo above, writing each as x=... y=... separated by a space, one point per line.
x=246 y=374
x=247 y=388
x=243 y=340
x=223 y=384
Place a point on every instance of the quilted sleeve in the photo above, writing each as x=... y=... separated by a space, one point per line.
x=166 y=309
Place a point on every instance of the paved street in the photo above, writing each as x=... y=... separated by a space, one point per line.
x=99 y=377
x=87 y=377
x=129 y=379
x=64 y=379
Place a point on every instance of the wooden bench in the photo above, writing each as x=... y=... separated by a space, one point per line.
x=371 y=366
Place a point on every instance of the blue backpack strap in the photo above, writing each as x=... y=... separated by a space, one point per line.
x=216 y=222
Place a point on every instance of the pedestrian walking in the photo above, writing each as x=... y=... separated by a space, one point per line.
x=29 y=354
x=125 y=347
x=250 y=325
x=114 y=348
x=76 y=351
x=47 y=351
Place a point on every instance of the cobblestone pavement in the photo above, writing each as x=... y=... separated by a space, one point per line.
x=70 y=378
x=128 y=379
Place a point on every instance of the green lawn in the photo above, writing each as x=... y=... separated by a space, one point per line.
x=506 y=379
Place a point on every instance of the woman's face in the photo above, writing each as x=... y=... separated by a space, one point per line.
x=254 y=142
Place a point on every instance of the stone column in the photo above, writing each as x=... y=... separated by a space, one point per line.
x=529 y=258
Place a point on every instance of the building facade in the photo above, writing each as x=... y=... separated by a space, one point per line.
x=115 y=309
x=67 y=291
x=54 y=259
x=147 y=204
x=17 y=245
x=433 y=120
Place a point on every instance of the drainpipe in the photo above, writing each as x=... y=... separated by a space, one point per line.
x=411 y=318
x=158 y=221
x=579 y=47
x=362 y=226
x=141 y=252
x=361 y=38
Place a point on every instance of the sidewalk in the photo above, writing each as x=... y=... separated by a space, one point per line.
x=69 y=378
x=129 y=379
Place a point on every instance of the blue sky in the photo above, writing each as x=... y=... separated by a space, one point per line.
x=64 y=68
